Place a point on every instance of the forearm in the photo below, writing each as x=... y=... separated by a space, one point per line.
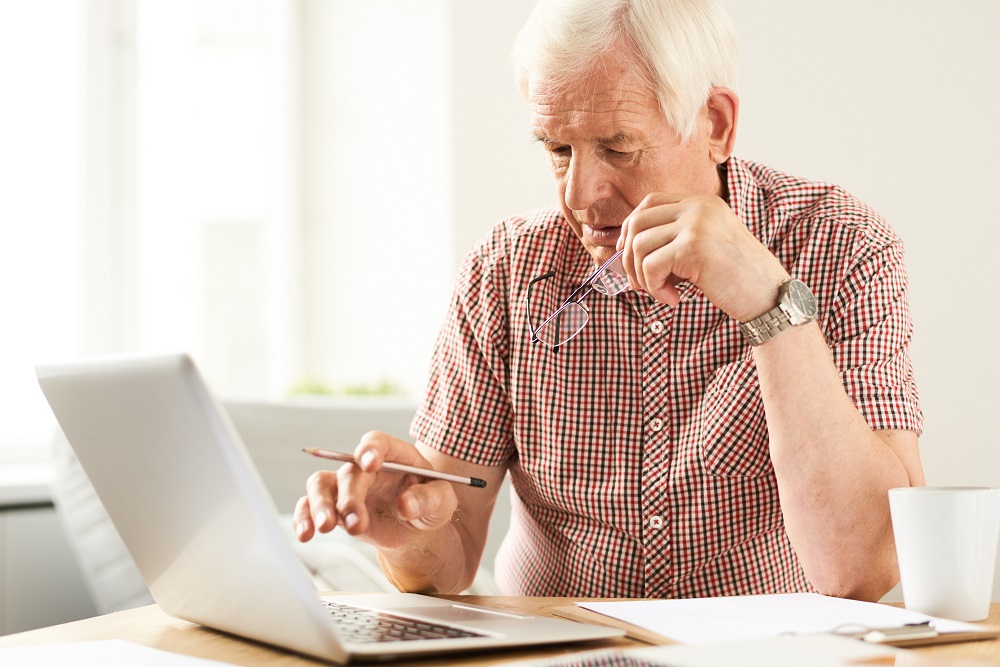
x=833 y=471
x=443 y=561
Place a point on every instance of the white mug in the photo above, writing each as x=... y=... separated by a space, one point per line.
x=946 y=544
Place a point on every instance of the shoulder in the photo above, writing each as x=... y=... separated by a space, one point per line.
x=493 y=277
x=515 y=240
x=511 y=234
x=819 y=206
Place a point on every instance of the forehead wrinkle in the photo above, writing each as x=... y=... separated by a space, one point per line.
x=604 y=100
x=616 y=125
x=620 y=108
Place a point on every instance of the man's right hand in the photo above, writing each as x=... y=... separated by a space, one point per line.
x=384 y=508
x=429 y=534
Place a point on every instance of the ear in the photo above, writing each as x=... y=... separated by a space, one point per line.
x=723 y=111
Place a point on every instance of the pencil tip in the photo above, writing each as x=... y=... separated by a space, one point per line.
x=478 y=483
x=309 y=450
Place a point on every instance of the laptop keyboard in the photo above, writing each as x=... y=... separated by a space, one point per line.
x=359 y=625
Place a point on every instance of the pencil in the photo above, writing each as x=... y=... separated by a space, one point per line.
x=399 y=467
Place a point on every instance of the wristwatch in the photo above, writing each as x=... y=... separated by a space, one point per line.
x=796 y=305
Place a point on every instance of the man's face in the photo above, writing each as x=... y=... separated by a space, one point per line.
x=609 y=147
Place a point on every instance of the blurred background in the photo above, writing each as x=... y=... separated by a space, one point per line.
x=285 y=188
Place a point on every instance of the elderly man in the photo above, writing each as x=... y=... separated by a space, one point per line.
x=723 y=418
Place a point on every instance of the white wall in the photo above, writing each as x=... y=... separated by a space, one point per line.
x=376 y=161
x=499 y=170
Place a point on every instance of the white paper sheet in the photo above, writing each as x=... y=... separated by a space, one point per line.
x=102 y=653
x=811 y=650
x=703 y=620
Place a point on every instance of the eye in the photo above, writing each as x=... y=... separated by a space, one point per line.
x=624 y=157
x=619 y=154
x=559 y=153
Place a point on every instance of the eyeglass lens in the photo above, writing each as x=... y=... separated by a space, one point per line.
x=610 y=283
x=611 y=278
x=565 y=324
x=572 y=316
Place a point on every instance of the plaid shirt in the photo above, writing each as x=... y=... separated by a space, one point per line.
x=638 y=453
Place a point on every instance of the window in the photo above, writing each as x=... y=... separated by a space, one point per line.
x=206 y=232
x=208 y=176
x=40 y=136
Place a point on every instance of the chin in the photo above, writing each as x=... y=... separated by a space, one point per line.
x=601 y=254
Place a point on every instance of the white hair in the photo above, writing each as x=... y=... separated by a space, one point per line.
x=681 y=48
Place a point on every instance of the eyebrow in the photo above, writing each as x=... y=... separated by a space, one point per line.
x=615 y=139
x=541 y=138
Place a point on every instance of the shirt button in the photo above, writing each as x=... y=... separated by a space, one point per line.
x=656 y=521
x=656 y=424
x=656 y=327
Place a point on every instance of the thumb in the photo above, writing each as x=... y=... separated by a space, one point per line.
x=427 y=506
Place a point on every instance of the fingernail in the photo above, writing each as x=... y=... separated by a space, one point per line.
x=351 y=520
x=322 y=517
x=366 y=459
x=412 y=507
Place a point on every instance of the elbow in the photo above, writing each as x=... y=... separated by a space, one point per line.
x=866 y=592
x=426 y=586
x=437 y=580
x=869 y=585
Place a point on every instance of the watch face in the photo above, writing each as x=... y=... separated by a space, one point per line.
x=801 y=300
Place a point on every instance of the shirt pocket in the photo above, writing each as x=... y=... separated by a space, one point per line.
x=734 y=431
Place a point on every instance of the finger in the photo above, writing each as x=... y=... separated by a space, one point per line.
x=302 y=520
x=376 y=447
x=652 y=261
x=659 y=274
x=654 y=199
x=648 y=230
x=356 y=481
x=630 y=262
x=625 y=246
x=353 y=487
x=657 y=209
x=321 y=490
x=427 y=506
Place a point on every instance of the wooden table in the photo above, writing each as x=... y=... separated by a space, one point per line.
x=151 y=627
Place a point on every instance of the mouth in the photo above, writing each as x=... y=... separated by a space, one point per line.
x=603 y=236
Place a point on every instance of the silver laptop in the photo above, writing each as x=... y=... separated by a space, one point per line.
x=180 y=488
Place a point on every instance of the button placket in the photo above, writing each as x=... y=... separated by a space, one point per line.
x=655 y=509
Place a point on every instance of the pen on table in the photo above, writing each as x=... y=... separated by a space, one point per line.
x=399 y=467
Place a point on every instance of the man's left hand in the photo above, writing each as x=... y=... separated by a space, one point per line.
x=671 y=238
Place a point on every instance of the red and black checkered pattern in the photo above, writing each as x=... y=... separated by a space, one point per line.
x=639 y=452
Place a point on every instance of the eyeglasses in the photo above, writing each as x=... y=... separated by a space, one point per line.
x=572 y=316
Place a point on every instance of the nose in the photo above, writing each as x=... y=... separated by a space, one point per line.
x=585 y=184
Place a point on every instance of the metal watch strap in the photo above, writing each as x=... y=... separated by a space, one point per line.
x=767 y=326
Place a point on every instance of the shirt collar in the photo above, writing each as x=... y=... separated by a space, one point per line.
x=745 y=196
x=577 y=265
